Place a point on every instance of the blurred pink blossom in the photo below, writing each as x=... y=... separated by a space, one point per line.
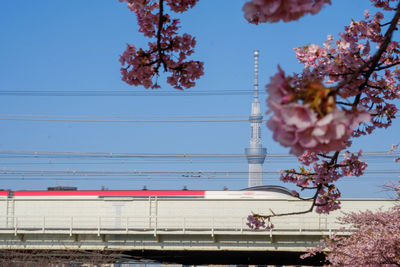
x=256 y=11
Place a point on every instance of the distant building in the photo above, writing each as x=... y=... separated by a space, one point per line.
x=255 y=153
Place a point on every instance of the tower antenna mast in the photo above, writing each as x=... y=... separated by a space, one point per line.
x=255 y=153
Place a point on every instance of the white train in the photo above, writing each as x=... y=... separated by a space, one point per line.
x=144 y=208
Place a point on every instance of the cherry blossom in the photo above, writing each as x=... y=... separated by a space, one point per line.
x=256 y=222
x=257 y=11
x=351 y=165
x=348 y=87
x=169 y=51
x=322 y=176
x=297 y=126
x=375 y=243
x=306 y=119
x=384 y=4
x=308 y=157
x=346 y=90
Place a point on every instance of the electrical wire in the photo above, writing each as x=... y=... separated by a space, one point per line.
x=118 y=155
x=126 y=119
x=71 y=172
x=121 y=121
x=100 y=93
x=123 y=117
x=123 y=161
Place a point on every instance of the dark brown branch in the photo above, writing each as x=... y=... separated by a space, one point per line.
x=373 y=62
x=299 y=173
x=325 y=156
x=341 y=74
x=334 y=159
x=307 y=187
x=371 y=66
x=341 y=165
x=388 y=66
x=384 y=24
x=344 y=103
x=314 y=198
x=332 y=164
x=160 y=27
x=374 y=86
x=158 y=60
x=306 y=199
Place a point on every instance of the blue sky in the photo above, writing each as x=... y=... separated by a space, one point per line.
x=75 y=45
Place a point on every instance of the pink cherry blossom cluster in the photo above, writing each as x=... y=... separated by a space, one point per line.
x=169 y=51
x=181 y=5
x=301 y=179
x=303 y=126
x=256 y=11
x=327 y=199
x=352 y=166
x=346 y=90
x=308 y=157
x=375 y=243
x=384 y=4
x=322 y=175
x=255 y=222
x=349 y=65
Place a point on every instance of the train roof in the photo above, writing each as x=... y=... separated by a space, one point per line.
x=269 y=192
x=270 y=188
x=111 y=193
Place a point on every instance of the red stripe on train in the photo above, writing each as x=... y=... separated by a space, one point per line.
x=113 y=193
x=4 y=193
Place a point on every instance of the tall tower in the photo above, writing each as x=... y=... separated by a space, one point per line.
x=255 y=153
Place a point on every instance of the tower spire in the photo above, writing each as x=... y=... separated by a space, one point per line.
x=255 y=153
x=256 y=52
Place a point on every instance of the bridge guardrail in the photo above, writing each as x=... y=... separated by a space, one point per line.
x=162 y=224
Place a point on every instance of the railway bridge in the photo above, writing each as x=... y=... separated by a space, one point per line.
x=195 y=227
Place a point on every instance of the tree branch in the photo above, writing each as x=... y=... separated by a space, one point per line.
x=373 y=62
x=160 y=27
x=387 y=66
x=314 y=198
x=343 y=103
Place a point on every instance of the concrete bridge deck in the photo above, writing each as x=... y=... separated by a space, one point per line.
x=184 y=240
x=296 y=233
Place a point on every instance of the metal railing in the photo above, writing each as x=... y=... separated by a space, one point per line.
x=156 y=225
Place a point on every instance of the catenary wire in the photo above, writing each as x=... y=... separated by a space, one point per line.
x=121 y=121
x=119 y=155
x=84 y=93
x=181 y=173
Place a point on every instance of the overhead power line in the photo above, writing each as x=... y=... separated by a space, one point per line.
x=120 y=121
x=126 y=119
x=67 y=154
x=75 y=93
x=154 y=173
x=123 y=119
x=26 y=171
x=19 y=154
x=123 y=154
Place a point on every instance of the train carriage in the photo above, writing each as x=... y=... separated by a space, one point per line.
x=146 y=209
